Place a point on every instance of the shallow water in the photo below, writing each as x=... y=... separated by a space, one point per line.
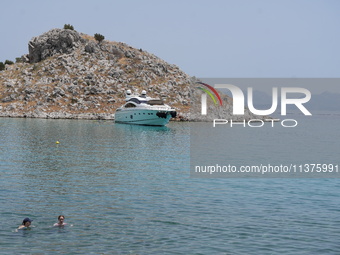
x=127 y=190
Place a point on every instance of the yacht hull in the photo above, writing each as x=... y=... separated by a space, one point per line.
x=143 y=117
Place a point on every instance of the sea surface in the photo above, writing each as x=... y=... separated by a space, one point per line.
x=127 y=190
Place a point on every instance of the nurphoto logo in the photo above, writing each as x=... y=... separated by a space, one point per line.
x=238 y=103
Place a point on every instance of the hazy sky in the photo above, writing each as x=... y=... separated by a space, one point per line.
x=215 y=38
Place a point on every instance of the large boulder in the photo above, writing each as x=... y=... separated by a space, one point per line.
x=53 y=42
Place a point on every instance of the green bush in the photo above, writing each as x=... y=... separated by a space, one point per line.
x=18 y=60
x=68 y=26
x=99 y=37
x=8 y=62
x=2 y=66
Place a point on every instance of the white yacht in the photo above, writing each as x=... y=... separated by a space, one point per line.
x=143 y=110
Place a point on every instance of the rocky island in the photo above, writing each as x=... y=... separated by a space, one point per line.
x=67 y=74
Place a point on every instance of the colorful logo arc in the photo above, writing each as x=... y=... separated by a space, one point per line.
x=209 y=90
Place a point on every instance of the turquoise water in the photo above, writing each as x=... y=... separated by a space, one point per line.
x=127 y=190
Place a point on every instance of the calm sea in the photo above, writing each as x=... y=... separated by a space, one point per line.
x=127 y=190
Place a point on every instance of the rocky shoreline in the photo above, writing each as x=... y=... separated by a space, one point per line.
x=59 y=115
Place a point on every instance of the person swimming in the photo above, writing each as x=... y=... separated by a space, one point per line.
x=25 y=223
x=60 y=222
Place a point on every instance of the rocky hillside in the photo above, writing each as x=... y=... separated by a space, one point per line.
x=67 y=74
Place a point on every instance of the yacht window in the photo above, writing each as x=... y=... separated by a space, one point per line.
x=134 y=100
x=129 y=105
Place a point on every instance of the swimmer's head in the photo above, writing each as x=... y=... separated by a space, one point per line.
x=26 y=222
x=61 y=217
